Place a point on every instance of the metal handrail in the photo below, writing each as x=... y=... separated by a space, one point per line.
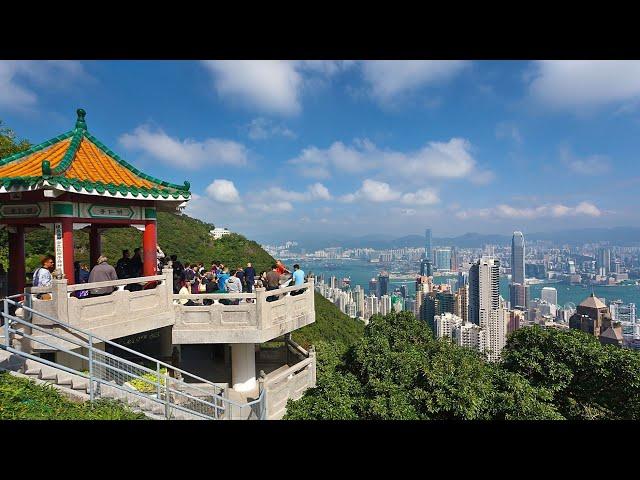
x=163 y=382
x=100 y=339
x=93 y=362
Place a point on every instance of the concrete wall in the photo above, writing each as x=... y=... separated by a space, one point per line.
x=247 y=322
x=290 y=384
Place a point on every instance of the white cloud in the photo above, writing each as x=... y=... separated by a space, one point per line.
x=590 y=165
x=268 y=85
x=426 y=196
x=317 y=191
x=372 y=191
x=543 y=211
x=186 y=153
x=274 y=207
x=272 y=86
x=390 y=79
x=452 y=159
x=577 y=85
x=17 y=78
x=262 y=128
x=223 y=191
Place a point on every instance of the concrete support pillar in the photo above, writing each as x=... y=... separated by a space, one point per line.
x=67 y=248
x=149 y=244
x=166 y=344
x=243 y=367
x=95 y=245
x=16 y=265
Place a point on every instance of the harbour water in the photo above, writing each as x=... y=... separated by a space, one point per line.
x=361 y=272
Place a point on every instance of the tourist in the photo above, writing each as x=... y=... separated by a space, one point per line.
x=272 y=278
x=160 y=258
x=178 y=271
x=102 y=272
x=298 y=278
x=42 y=276
x=135 y=265
x=80 y=276
x=222 y=279
x=285 y=274
x=241 y=277
x=185 y=290
x=250 y=276
x=123 y=266
x=211 y=286
x=233 y=285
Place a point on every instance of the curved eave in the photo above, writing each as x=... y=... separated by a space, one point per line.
x=181 y=197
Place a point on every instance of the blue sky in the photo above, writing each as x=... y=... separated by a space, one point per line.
x=359 y=147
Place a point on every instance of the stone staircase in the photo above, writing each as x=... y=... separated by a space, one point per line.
x=76 y=387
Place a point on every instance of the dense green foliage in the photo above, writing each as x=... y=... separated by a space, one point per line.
x=331 y=325
x=588 y=380
x=397 y=370
x=9 y=144
x=22 y=399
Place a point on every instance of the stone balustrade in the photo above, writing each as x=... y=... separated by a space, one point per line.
x=289 y=384
x=252 y=320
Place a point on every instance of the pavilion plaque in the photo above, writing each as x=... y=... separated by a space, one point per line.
x=23 y=210
x=57 y=229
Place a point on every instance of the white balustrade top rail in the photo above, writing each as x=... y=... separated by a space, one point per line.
x=114 y=283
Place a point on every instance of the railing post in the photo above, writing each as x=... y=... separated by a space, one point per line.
x=262 y=393
x=91 y=394
x=7 y=341
x=261 y=306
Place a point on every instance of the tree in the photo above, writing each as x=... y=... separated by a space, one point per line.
x=8 y=142
x=588 y=380
x=399 y=371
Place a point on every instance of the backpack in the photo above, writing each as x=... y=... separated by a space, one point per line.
x=36 y=277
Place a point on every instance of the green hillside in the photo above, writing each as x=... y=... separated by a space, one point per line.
x=331 y=325
x=23 y=399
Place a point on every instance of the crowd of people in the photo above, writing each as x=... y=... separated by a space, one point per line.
x=195 y=278
x=190 y=278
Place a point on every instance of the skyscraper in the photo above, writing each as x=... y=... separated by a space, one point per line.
x=383 y=283
x=427 y=245
x=603 y=261
x=426 y=268
x=550 y=295
x=484 y=304
x=517 y=258
x=443 y=259
x=454 y=259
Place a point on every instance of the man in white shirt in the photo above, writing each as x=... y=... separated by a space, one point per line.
x=42 y=276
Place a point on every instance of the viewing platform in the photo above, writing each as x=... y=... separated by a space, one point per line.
x=257 y=318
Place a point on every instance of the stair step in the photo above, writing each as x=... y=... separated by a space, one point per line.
x=64 y=379
x=80 y=384
x=33 y=371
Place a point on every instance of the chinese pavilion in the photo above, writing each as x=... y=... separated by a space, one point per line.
x=74 y=181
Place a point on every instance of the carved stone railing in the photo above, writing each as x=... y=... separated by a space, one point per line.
x=253 y=319
x=250 y=318
x=289 y=384
x=116 y=315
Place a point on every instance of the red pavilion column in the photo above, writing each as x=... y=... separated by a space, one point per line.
x=16 y=261
x=95 y=245
x=149 y=243
x=67 y=249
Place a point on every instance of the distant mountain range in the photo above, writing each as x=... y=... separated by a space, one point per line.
x=622 y=236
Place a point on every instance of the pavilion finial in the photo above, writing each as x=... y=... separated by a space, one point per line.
x=187 y=185
x=80 y=123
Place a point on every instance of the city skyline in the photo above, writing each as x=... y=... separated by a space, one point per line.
x=334 y=146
